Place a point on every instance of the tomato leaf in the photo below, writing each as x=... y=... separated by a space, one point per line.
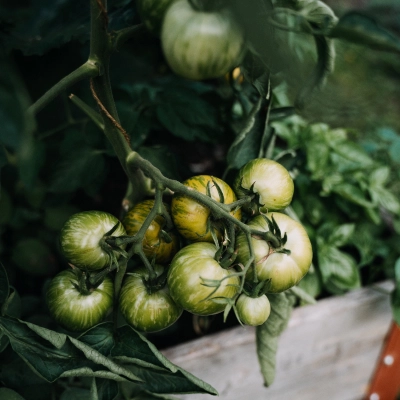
x=363 y=29
x=269 y=332
x=247 y=144
x=53 y=355
x=160 y=375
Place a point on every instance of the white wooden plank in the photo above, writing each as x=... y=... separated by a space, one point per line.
x=328 y=351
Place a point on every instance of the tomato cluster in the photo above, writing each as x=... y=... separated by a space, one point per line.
x=199 y=253
x=200 y=40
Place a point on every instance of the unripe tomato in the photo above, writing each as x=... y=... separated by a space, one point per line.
x=143 y=309
x=200 y=44
x=188 y=270
x=81 y=236
x=253 y=310
x=284 y=270
x=152 y=13
x=154 y=244
x=271 y=181
x=72 y=309
x=190 y=217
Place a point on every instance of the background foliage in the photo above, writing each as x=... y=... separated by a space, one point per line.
x=342 y=148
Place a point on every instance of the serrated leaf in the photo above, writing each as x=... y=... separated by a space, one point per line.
x=53 y=355
x=267 y=334
x=247 y=144
x=165 y=377
x=363 y=29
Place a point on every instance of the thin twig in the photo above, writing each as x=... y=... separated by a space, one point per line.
x=108 y=115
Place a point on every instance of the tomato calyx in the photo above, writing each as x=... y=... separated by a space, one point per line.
x=274 y=236
x=257 y=290
x=154 y=284
x=254 y=204
x=86 y=284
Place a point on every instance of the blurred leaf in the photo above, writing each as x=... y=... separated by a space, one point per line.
x=4 y=285
x=106 y=389
x=247 y=144
x=253 y=17
x=33 y=256
x=9 y=394
x=341 y=235
x=354 y=153
x=311 y=285
x=75 y=394
x=352 y=193
x=338 y=269
x=84 y=167
x=360 y=28
x=46 y=24
x=256 y=73
x=164 y=159
x=269 y=332
x=302 y=295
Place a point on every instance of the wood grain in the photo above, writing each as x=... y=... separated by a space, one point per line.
x=328 y=351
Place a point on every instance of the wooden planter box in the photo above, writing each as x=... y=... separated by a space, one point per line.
x=329 y=351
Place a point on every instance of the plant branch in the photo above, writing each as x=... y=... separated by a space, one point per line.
x=92 y=114
x=123 y=35
x=88 y=70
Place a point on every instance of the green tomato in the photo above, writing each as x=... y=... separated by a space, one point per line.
x=188 y=271
x=76 y=311
x=154 y=244
x=152 y=13
x=198 y=44
x=284 y=270
x=81 y=237
x=190 y=217
x=144 y=309
x=253 y=311
x=269 y=179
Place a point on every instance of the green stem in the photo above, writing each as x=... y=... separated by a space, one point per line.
x=92 y=114
x=120 y=37
x=88 y=70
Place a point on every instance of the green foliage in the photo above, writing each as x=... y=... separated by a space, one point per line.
x=268 y=334
x=59 y=162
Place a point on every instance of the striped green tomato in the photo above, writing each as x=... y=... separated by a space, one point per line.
x=192 y=268
x=81 y=235
x=144 y=309
x=152 y=13
x=284 y=270
x=154 y=244
x=191 y=217
x=200 y=44
x=269 y=179
x=253 y=311
x=76 y=311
